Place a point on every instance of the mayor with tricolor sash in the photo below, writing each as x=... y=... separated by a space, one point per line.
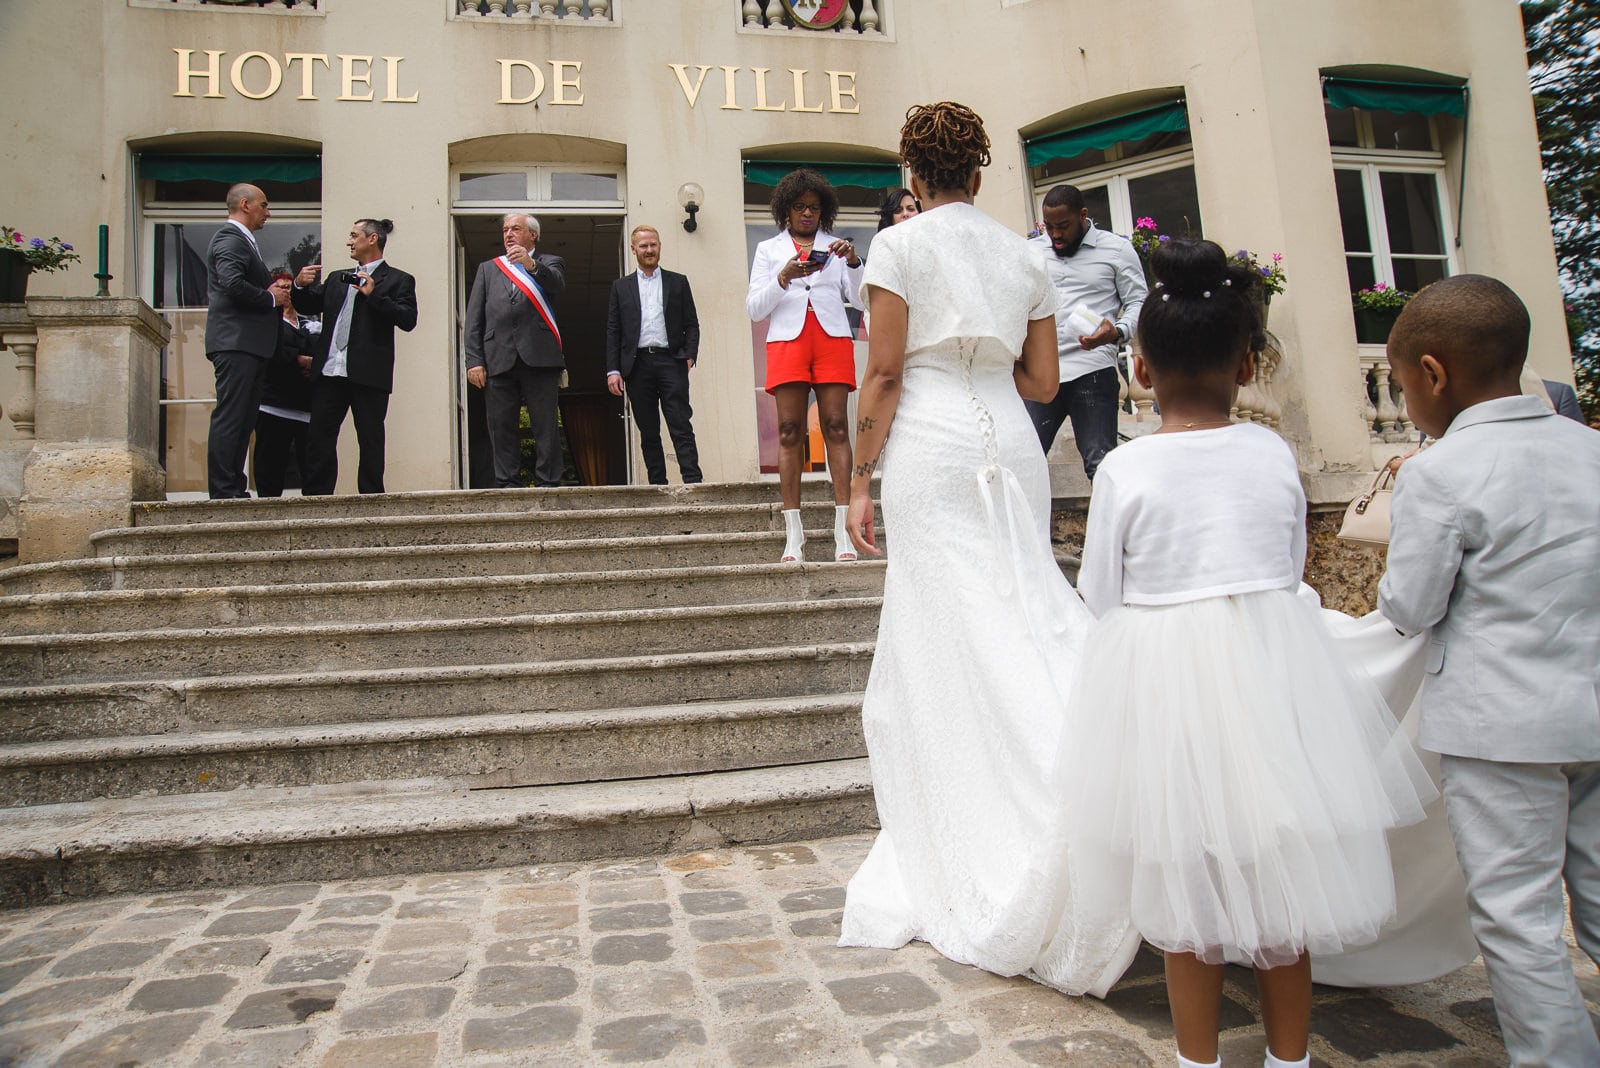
x=513 y=350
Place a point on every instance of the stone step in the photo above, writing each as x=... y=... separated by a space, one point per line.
x=454 y=502
x=352 y=831
x=454 y=529
x=269 y=568
x=41 y=713
x=332 y=647
x=489 y=750
x=432 y=598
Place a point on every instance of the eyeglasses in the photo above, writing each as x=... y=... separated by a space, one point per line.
x=807 y=209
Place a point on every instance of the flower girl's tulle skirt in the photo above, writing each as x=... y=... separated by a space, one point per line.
x=1238 y=778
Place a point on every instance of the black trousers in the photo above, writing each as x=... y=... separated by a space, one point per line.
x=659 y=386
x=539 y=390
x=331 y=398
x=241 y=379
x=277 y=439
x=1091 y=403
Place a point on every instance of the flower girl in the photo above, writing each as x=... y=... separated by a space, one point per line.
x=1237 y=774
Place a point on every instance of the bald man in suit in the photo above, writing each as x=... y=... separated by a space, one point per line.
x=242 y=314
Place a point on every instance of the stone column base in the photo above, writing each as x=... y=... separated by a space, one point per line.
x=70 y=493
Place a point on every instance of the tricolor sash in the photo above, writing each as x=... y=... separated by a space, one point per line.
x=530 y=289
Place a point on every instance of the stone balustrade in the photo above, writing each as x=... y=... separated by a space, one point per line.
x=79 y=457
x=582 y=11
x=862 y=18
x=1257 y=402
x=302 y=7
x=1385 y=410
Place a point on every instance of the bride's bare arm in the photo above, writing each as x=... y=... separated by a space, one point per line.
x=1038 y=373
x=875 y=405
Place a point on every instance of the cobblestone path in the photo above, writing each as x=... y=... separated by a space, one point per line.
x=724 y=957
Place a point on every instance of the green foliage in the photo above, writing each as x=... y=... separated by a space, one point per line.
x=1563 y=39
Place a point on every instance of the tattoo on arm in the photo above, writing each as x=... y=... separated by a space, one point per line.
x=864 y=469
x=866 y=423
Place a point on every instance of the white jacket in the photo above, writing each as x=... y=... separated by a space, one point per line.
x=826 y=291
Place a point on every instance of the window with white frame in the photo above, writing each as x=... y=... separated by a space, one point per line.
x=1389 y=176
x=548 y=185
x=1135 y=166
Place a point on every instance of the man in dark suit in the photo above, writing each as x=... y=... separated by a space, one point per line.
x=652 y=339
x=1565 y=399
x=242 y=319
x=354 y=368
x=513 y=350
x=284 y=420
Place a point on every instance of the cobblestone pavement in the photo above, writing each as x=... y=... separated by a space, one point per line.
x=716 y=958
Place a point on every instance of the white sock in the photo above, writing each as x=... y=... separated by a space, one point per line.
x=796 y=534
x=1184 y=1062
x=1277 y=1062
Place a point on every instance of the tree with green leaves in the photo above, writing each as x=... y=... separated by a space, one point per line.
x=1563 y=38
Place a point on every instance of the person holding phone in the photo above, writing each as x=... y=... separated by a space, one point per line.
x=800 y=281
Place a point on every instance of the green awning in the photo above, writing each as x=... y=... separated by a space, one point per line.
x=230 y=169
x=1396 y=96
x=1166 y=118
x=865 y=175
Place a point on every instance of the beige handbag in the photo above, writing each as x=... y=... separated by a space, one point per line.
x=1366 y=520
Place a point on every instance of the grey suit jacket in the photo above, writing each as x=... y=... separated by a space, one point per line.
x=1495 y=544
x=240 y=315
x=503 y=326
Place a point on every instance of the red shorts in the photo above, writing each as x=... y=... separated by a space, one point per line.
x=816 y=357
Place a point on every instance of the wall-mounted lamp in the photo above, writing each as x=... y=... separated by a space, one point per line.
x=690 y=199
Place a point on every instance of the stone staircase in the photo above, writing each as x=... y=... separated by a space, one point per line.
x=257 y=691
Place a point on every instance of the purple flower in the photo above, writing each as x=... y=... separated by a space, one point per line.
x=1266 y=272
x=66 y=246
x=37 y=242
x=1164 y=239
x=1242 y=254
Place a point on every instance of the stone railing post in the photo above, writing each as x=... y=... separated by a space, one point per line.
x=97 y=425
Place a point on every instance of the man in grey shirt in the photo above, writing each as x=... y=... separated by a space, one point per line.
x=1102 y=272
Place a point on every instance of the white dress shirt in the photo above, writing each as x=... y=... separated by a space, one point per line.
x=652 y=311
x=1105 y=274
x=338 y=365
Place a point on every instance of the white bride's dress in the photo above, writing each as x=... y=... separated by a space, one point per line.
x=979 y=637
x=977 y=651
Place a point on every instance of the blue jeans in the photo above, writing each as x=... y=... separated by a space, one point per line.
x=1091 y=403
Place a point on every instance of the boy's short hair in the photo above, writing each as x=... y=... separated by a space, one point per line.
x=1474 y=321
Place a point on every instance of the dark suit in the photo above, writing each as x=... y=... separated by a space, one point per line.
x=288 y=389
x=364 y=389
x=506 y=335
x=657 y=378
x=241 y=336
x=1565 y=399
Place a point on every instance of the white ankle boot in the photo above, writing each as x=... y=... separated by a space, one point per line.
x=843 y=548
x=796 y=537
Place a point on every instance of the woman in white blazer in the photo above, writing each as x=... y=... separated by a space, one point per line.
x=799 y=282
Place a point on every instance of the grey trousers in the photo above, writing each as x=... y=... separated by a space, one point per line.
x=1520 y=831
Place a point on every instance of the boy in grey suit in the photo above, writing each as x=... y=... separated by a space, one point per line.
x=1496 y=546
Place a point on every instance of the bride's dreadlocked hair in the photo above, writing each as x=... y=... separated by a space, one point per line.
x=942 y=144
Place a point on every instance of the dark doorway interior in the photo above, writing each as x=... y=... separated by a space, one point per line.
x=593 y=435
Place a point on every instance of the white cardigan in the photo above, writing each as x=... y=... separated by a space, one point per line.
x=826 y=291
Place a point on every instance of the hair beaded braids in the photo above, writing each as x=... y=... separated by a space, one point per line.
x=943 y=144
x=796 y=184
x=1199 y=315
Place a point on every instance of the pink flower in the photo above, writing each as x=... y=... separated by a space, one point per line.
x=1146 y=223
